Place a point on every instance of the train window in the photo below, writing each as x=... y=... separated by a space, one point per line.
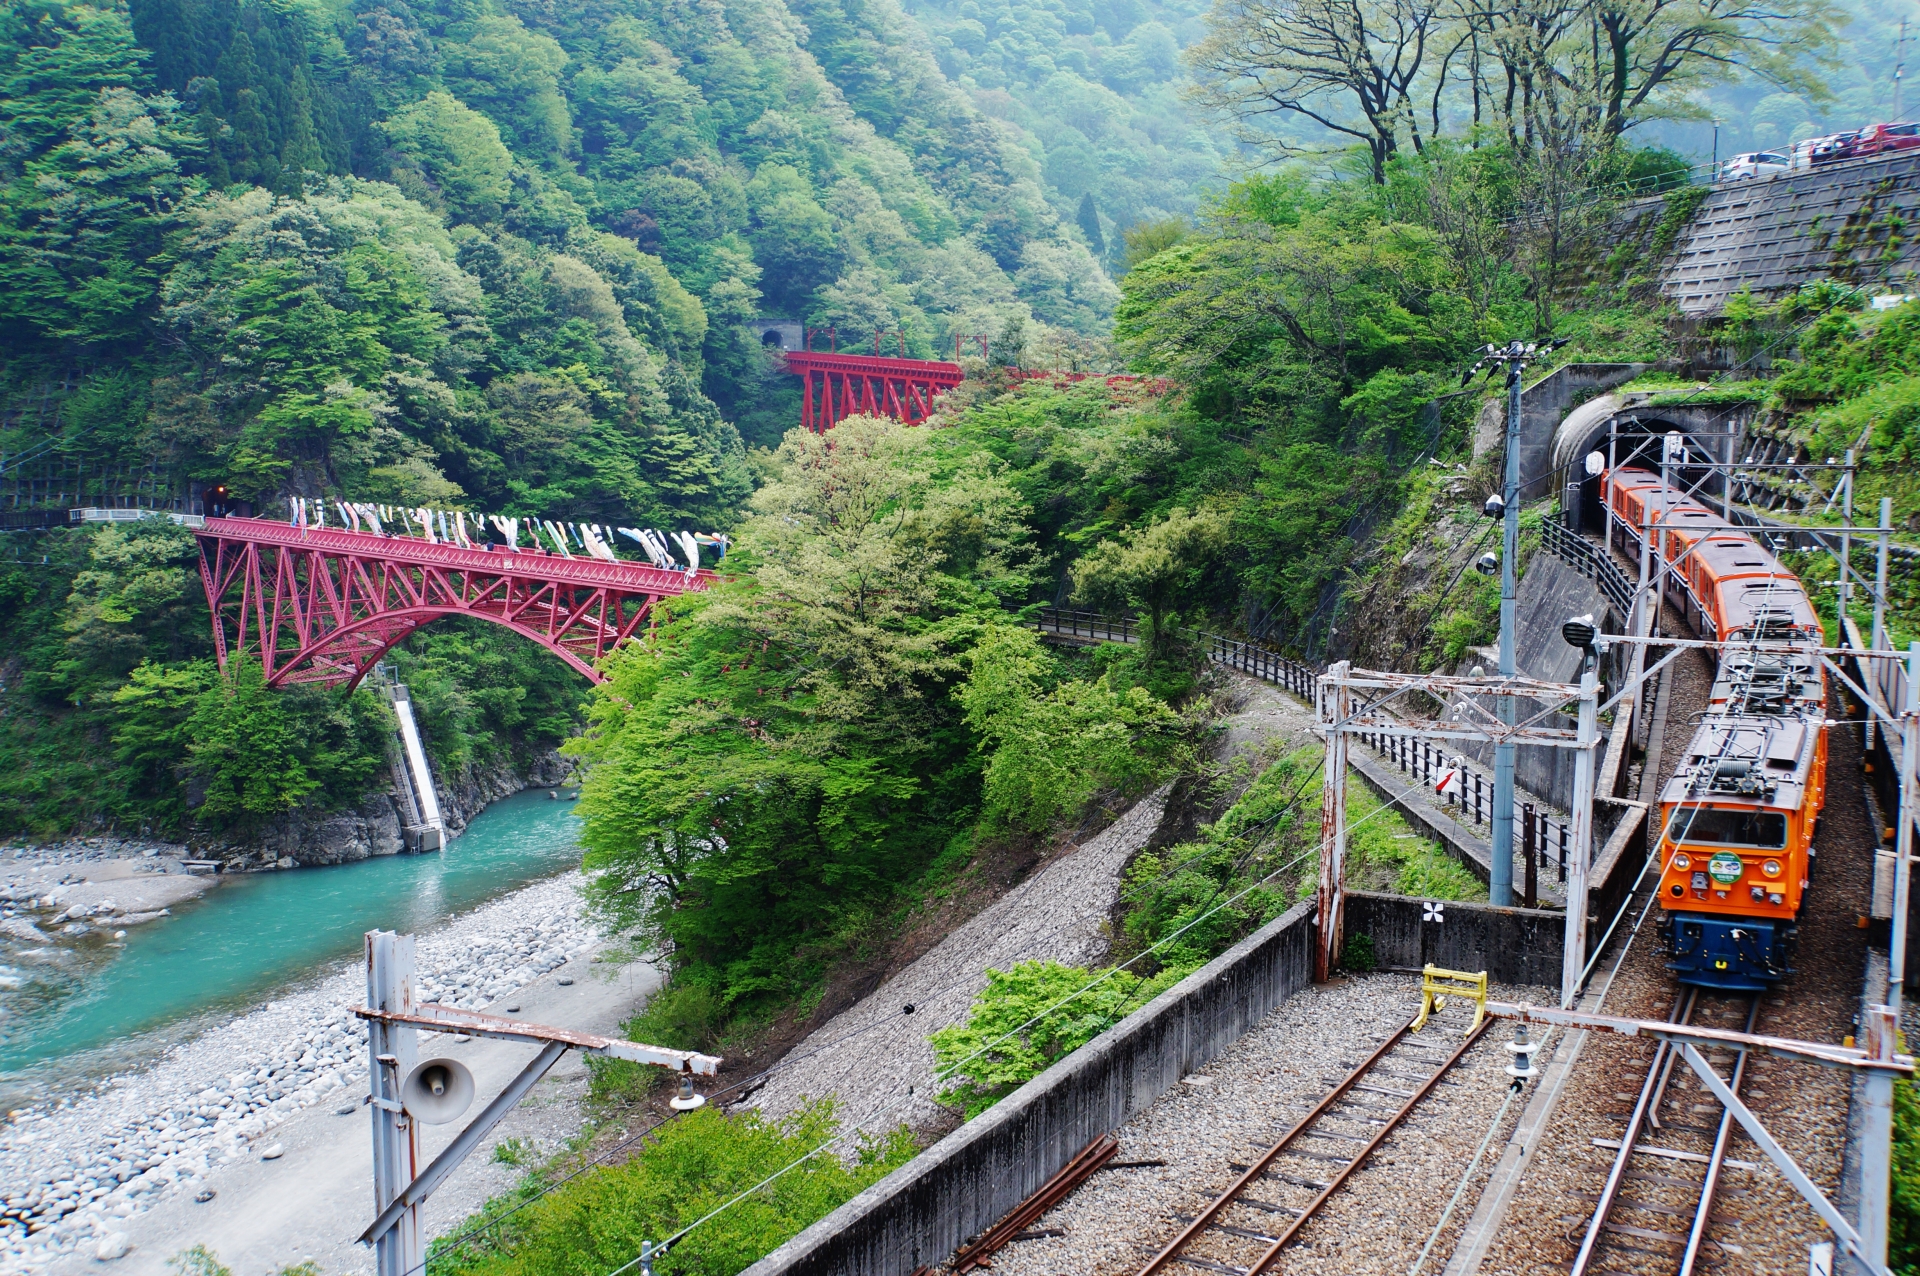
x=1719 y=826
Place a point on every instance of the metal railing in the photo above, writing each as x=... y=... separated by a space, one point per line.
x=1544 y=838
x=1591 y=561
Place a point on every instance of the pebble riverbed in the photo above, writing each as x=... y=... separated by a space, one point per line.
x=69 y=1174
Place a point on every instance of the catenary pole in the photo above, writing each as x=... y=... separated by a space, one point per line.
x=1903 y=832
x=392 y=1051
x=1879 y=639
x=1336 y=706
x=1500 y=876
x=1580 y=854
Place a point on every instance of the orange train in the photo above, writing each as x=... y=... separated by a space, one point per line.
x=1737 y=819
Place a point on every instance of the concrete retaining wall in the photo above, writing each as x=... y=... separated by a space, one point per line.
x=954 y=1190
x=1513 y=945
x=1842 y=221
x=1551 y=592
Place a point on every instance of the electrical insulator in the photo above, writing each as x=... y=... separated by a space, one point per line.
x=1521 y=1069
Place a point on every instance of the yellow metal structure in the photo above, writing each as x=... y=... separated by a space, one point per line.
x=1436 y=985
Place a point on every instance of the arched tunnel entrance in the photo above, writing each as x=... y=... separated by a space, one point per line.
x=1632 y=438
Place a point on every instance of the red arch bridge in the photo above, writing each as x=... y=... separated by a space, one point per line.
x=321 y=605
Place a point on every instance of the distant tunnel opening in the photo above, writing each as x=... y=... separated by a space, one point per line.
x=1636 y=444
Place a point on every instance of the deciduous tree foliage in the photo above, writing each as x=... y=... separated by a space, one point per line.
x=788 y=751
x=695 y=1164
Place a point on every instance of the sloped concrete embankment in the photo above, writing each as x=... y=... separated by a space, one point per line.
x=875 y=1061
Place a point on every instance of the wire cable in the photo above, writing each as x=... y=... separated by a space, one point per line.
x=950 y=1070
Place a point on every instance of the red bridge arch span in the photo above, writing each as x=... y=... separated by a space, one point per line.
x=323 y=605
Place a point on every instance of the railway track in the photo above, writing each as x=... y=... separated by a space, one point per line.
x=1658 y=1204
x=1245 y=1229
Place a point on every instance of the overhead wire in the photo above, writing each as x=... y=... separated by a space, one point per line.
x=792 y=1060
x=657 y=1251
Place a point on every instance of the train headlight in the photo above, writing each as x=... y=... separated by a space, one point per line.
x=1681 y=863
x=1771 y=868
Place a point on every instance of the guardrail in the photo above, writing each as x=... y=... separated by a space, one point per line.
x=1590 y=561
x=1543 y=837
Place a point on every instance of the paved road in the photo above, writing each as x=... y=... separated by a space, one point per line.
x=313 y=1201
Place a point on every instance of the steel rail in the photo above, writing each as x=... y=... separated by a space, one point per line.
x=1617 y=1173
x=1171 y=1252
x=1710 y=1185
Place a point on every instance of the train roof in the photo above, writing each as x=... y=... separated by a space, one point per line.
x=1747 y=759
x=1770 y=684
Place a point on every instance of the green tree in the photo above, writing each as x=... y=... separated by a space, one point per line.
x=1157 y=570
x=153 y=716
x=1025 y=1020
x=257 y=752
x=513 y=75
x=54 y=62
x=1089 y=223
x=85 y=222
x=456 y=153
x=1051 y=748
x=695 y=1164
x=783 y=752
x=1150 y=239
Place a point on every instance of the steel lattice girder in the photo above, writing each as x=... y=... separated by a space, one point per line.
x=838 y=385
x=323 y=605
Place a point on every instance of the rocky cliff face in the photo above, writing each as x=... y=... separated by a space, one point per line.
x=309 y=837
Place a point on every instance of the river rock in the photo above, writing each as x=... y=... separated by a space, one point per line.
x=21 y=928
x=113 y=1245
x=139 y=1138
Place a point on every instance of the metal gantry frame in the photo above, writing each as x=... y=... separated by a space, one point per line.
x=394 y=1022
x=1879 y=1062
x=1351 y=701
x=1339 y=713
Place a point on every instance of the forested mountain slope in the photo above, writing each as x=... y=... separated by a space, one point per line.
x=519 y=240
x=1097 y=88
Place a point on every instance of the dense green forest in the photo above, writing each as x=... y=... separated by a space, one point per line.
x=1097 y=90
x=503 y=255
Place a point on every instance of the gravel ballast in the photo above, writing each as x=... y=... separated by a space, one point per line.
x=1246 y=1099
x=69 y=1174
x=1761 y=1224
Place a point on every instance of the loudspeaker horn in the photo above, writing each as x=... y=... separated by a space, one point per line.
x=437 y=1091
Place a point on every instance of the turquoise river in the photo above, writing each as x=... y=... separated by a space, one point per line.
x=71 y=1015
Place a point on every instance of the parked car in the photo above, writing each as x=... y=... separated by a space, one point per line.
x=1880 y=139
x=1753 y=164
x=1834 y=146
x=1820 y=150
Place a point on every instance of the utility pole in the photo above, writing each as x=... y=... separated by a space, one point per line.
x=1899 y=66
x=1335 y=707
x=1513 y=357
x=1903 y=831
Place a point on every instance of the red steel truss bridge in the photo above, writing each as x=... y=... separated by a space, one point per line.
x=323 y=605
x=836 y=386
